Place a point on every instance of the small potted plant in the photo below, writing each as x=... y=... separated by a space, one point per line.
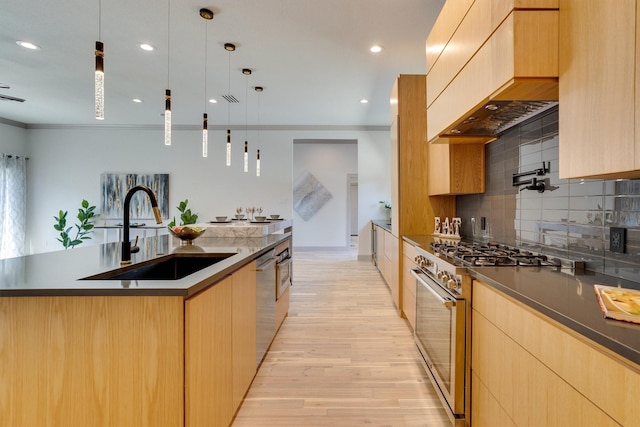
x=185 y=231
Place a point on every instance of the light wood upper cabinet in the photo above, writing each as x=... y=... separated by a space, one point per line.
x=456 y=169
x=499 y=50
x=599 y=116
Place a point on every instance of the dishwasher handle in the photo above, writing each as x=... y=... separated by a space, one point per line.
x=266 y=265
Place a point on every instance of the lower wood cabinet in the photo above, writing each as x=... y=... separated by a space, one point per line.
x=147 y=361
x=408 y=284
x=529 y=370
x=91 y=361
x=220 y=349
x=389 y=268
x=243 y=325
x=208 y=357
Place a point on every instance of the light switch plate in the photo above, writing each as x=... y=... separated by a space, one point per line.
x=617 y=239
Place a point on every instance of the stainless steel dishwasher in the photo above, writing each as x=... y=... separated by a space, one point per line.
x=265 y=303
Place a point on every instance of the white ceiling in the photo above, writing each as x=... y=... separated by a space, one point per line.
x=311 y=56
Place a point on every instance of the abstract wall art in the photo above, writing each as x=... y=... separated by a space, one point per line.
x=309 y=195
x=114 y=187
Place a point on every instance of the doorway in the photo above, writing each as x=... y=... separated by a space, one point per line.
x=352 y=211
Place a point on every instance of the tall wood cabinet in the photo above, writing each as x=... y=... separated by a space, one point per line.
x=599 y=116
x=413 y=209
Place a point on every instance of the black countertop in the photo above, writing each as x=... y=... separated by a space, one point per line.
x=567 y=298
x=58 y=273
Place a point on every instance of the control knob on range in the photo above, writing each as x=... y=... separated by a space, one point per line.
x=422 y=261
x=453 y=283
x=443 y=275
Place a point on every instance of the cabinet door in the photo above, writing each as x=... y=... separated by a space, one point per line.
x=380 y=232
x=597 y=60
x=409 y=284
x=456 y=169
x=244 y=331
x=208 y=357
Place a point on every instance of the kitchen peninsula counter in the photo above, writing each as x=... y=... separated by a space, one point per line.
x=568 y=299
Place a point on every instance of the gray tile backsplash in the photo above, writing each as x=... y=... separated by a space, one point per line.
x=571 y=218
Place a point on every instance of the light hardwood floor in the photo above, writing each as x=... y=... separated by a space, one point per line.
x=343 y=357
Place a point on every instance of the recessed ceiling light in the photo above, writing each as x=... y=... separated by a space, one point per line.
x=364 y=101
x=213 y=101
x=147 y=47
x=27 y=45
x=137 y=100
x=376 y=48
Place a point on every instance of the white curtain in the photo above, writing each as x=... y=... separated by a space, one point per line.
x=13 y=205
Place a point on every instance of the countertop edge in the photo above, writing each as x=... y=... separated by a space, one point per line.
x=382 y=223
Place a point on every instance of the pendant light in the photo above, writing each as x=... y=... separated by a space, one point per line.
x=167 y=92
x=207 y=15
x=99 y=73
x=258 y=89
x=247 y=73
x=229 y=47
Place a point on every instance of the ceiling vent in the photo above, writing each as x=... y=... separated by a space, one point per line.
x=231 y=99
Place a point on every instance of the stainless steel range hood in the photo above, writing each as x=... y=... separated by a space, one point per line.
x=494 y=117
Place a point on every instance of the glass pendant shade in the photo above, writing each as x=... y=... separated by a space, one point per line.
x=99 y=80
x=205 y=136
x=167 y=117
x=258 y=164
x=228 y=147
x=246 y=156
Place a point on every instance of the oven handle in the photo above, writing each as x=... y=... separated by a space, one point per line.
x=445 y=301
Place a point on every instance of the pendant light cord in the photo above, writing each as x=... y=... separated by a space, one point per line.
x=246 y=106
x=205 y=65
x=99 y=20
x=168 y=41
x=229 y=91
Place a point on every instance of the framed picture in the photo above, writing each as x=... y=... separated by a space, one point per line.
x=114 y=188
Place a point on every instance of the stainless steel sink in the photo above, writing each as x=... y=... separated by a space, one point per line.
x=172 y=268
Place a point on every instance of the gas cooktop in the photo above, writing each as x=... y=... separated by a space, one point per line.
x=477 y=254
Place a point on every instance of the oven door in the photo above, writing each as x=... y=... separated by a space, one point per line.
x=440 y=338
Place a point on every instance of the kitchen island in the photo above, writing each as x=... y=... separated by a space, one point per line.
x=128 y=352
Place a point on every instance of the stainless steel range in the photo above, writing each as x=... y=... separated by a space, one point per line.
x=443 y=318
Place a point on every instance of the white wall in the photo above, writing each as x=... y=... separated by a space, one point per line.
x=66 y=163
x=374 y=184
x=330 y=163
x=13 y=139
